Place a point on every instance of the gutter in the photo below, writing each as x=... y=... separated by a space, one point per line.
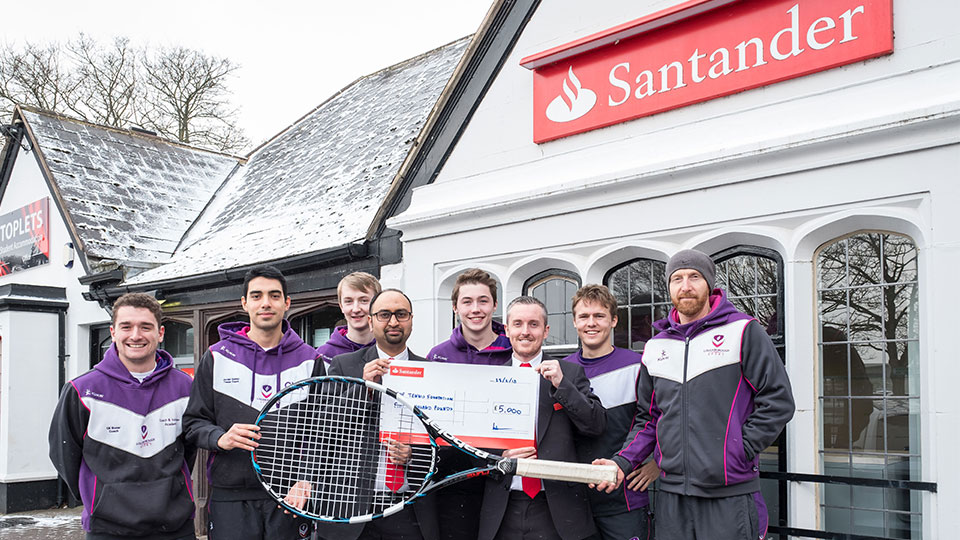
x=288 y=265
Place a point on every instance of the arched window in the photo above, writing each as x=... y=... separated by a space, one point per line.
x=870 y=385
x=555 y=288
x=640 y=287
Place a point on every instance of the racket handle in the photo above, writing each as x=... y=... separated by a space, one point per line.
x=567 y=472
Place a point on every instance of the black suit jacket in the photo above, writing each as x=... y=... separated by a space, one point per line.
x=571 y=408
x=351 y=365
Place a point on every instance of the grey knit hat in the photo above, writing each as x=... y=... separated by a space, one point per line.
x=694 y=260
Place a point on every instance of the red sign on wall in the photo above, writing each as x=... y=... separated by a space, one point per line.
x=695 y=52
x=25 y=237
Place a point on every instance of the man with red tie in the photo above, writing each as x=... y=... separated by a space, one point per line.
x=516 y=508
x=391 y=318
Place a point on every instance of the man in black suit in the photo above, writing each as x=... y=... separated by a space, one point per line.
x=516 y=508
x=391 y=317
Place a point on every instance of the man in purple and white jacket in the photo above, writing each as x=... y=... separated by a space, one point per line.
x=712 y=394
x=235 y=379
x=613 y=373
x=116 y=436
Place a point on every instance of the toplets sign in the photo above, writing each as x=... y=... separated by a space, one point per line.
x=25 y=237
x=697 y=51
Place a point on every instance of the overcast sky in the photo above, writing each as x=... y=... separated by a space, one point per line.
x=293 y=54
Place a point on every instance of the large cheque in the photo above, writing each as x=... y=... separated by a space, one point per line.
x=485 y=406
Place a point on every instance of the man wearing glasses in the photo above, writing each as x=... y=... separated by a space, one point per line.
x=391 y=318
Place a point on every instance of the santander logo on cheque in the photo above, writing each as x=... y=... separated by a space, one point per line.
x=572 y=103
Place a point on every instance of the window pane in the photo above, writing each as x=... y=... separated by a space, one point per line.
x=864 y=261
x=832 y=266
x=621 y=334
x=899 y=259
x=640 y=287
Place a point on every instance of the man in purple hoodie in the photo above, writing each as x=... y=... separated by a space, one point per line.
x=712 y=394
x=612 y=373
x=354 y=293
x=235 y=379
x=477 y=340
x=116 y=436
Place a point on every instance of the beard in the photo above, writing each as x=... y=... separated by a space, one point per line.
x=691 y=306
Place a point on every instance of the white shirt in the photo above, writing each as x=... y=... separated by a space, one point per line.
x=516 y=483
x=405 y=355
x=141 y=376
x=533 y=363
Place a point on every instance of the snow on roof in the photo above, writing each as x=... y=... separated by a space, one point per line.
x=130 y=196
x=318 y=184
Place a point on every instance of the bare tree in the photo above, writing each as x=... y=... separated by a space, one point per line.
x=36 y=75
x=187 y=97
x=107 y=86
x=178 y=92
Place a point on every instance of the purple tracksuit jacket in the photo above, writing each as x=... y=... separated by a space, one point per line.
x=721 y=394
x=118 y=444
x=235 y=379
x=339 y=343
x=456 y=349
x=613 y=379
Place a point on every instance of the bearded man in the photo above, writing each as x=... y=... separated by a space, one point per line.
x=712 y=394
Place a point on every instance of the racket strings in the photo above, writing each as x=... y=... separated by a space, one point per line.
x=325 y=442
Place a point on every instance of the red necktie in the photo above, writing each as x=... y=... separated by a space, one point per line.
x=531 y=486
x=393 y=476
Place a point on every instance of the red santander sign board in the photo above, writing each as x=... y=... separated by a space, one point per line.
x=697 y=51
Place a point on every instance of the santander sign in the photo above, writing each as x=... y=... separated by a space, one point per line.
x=697 y=51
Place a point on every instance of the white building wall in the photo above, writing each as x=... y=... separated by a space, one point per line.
x=30 y=341
x=873 y=145
x=27 y=185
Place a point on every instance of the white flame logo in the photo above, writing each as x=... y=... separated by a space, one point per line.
x=579 y=101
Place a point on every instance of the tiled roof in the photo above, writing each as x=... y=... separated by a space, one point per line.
x=130 y=196
x=318 y=184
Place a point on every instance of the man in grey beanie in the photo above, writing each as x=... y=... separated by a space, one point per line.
x=712 y=394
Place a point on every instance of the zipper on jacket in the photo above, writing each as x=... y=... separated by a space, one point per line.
x=686 y=424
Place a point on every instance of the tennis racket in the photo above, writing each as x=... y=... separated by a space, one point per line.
x=323 y=455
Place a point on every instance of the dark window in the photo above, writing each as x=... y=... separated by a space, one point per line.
x=178 y=341
x=555 y=288
x=316 y=326
x=753 y=280
x=640 y=287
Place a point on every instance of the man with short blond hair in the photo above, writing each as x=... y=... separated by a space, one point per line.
x=612 y=372
x=354 y=293
x=117 y=438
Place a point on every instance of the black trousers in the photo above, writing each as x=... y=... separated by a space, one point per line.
x=684 y=517
x=254 y=520
x=400 y=526
x=527 y=519
x=635 y=524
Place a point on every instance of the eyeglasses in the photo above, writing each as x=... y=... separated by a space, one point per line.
x=384 y=315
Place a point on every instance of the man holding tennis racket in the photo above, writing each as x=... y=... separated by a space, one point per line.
x=236 y=377
x=354 y=293
x=116 y=436
x=712 y=394
x=518 y=508
x=391 y=319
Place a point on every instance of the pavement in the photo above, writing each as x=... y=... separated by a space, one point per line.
x=56 y=524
